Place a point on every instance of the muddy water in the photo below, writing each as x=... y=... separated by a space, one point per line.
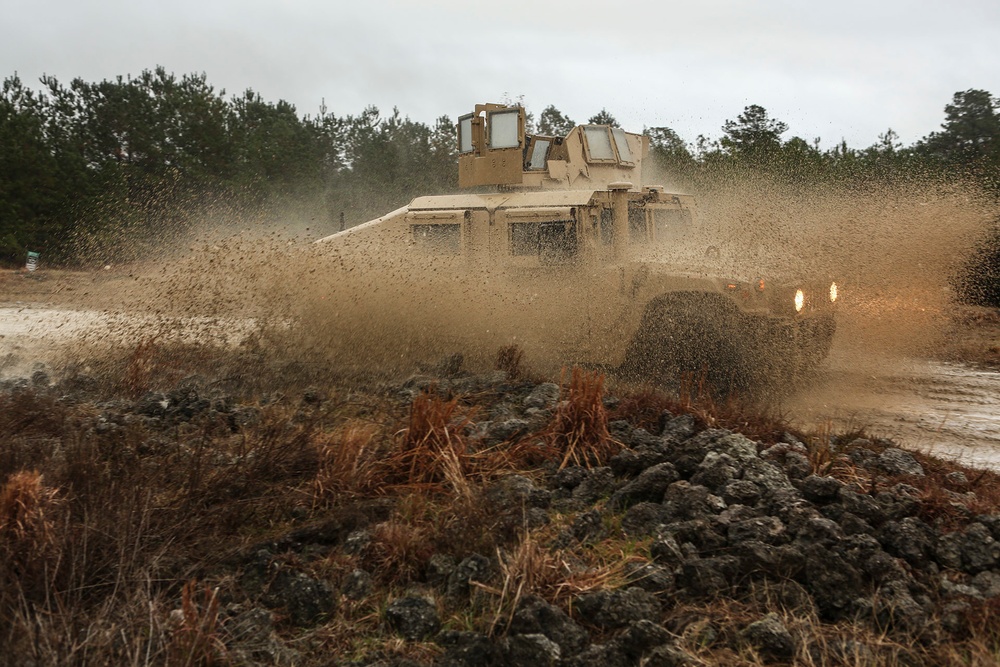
x=950 y=410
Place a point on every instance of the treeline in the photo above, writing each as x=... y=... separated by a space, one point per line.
x=110 y=168
x=117 y=165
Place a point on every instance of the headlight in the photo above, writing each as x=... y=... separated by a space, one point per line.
x=833 y=292
x=800 y=300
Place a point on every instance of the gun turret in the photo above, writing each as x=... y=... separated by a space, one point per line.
x=494 y=149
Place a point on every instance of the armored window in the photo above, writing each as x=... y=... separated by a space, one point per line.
x=598 y=143
x=503 y=129
x=670 y=223
x=441 y=239
x=555 y=242
x=465 y=134
x=621 y=142
x=539 y=152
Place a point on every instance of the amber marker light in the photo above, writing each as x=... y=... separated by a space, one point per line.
x=800 y=300
x=833 y=292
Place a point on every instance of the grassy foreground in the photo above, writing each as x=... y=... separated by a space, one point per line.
x=254 y=515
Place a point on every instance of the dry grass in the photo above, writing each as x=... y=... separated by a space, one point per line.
x=195 y=639
x=510 y=360
x=29 y=516
x=347 y=463
x=118 y=526
x=432 y=451
x=579 y=433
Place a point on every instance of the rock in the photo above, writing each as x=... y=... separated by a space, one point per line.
x=668 y=656
x=797 y=465
x=600 y=482
x=715 y=470
x=440 y=568
x=707 y=577
x=251 y=638
x=881 y=568
x=771 y=638
x=666 y=550
x=40 y=379
x=820 y=530
x=741 y=492
x=517 y=491
x=357 y=585
x=679 y=428
x=775 y=562
x=684 y=501
x=468 y=649
x=641 y=637
x=703 y=534
x=833 y=582
x=536 y=616
x=530 y=650
x=863 y=506
x=897 y=462
x=987 y=583
x=544 y=395
x=769 y=477
x=651 y=577
x=588 y=526
x=151 y=404
x=649 y=486
x=472 y=568
x=412 y=617
x=896 y=608
x=821 y=490
x=972 y=550
x=599 y=655
x=768 y=529
x=506 y=430
x=610 y=610
x=909 y=538
x=631 y=462
x=570 y=477
x=957 y=481
x=305 y=600
x=645 y=518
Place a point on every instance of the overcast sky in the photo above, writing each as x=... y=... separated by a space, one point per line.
x=848 y=69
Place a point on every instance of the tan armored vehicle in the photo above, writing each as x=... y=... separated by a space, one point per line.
x=588 y=265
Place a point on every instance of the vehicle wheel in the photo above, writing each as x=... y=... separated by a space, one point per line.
x=689 y=334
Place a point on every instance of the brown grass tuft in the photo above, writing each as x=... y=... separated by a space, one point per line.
x=432 y=451
x=579 y=433
x=195 y=639
x=509 y=360
x=347 y=463
x=27 y=525
x=398 y=551
x=140 y=367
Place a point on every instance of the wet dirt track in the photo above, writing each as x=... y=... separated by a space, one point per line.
x=951 y=410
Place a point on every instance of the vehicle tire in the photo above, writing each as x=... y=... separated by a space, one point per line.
x=690 y=335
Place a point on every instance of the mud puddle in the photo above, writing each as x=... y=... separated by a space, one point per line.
x=946 y=409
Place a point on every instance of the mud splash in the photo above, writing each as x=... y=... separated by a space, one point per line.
x=370 y=305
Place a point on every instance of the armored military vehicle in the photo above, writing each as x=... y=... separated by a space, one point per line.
x=597 y=267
